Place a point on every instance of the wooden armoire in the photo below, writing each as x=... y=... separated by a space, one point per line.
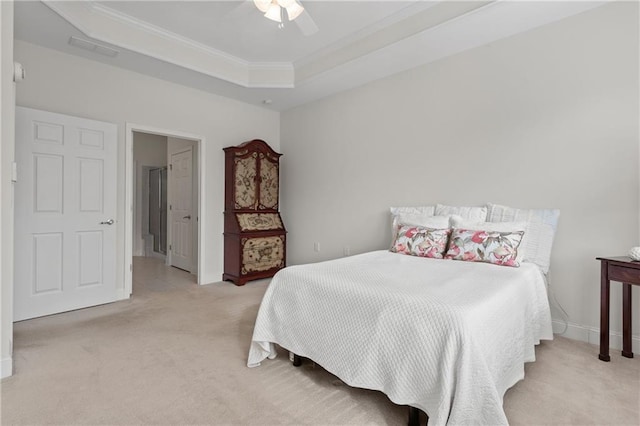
x=254 y=236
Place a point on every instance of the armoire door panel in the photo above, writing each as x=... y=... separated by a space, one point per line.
x=245 y=182
x=269 y=184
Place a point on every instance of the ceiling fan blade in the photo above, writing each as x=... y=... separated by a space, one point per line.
x=306 y=24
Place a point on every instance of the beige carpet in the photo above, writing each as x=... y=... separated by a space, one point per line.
x=176 y=352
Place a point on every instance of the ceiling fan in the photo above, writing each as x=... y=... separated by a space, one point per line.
x=276 y=10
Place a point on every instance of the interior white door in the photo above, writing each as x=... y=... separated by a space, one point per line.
x=181 y=208
x=65 y=205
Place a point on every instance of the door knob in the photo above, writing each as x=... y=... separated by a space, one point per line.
x=108 y=222
x=187 y=217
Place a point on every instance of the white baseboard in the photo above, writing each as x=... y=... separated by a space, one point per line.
x=592 y=335
x=6 y=367
x=215 y=277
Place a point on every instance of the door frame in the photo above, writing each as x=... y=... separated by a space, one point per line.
x=129 y=191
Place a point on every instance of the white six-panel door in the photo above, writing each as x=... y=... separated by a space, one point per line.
x=65 y=201
x=182 y=217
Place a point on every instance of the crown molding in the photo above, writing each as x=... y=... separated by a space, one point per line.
x=124 y=19
x=109 y=26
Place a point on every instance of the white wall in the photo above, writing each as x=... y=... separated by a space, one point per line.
x=71 y=85
x=7 y=138
x=547 y=119
x=148 y=151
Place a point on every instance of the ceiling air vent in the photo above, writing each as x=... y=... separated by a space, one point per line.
x=93 y=47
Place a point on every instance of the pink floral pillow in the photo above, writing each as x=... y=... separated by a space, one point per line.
x=419 y=241
x=499 y=248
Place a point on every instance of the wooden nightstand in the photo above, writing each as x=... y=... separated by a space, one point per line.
x=626 y=271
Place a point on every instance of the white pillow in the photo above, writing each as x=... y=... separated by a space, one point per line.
x=422 y=210
x=457 y=222
x=462 y=223
x=538 y=237
x=426 y=221
x=477 y=214
x=435 y=222
x=419 y=211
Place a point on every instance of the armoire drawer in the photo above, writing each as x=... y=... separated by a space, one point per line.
x=262 y=253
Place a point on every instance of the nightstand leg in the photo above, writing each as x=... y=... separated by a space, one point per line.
x=627 y=350
x=604 y=312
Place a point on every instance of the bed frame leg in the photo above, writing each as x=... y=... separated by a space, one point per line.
x=297 y=360
x=414 y=416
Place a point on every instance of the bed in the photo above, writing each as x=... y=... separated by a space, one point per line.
x=447 y=337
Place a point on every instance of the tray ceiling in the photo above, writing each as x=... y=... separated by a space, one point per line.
x=229 y=48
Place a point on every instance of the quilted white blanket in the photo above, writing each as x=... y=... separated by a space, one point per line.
x=448 y=337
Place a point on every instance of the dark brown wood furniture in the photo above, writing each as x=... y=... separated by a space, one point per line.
x=254 y=236
x=626 y=271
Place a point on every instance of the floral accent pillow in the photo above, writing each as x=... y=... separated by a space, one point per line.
x=499 y=248
x=433 y=222
x=419 y=241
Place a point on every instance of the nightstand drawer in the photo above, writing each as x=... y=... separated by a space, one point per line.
x=624 y=274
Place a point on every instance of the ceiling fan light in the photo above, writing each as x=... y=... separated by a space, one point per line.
x=262 y=5
x=273 y=13
x=294 y=10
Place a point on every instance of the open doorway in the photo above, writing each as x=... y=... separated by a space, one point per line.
x=150 y=195
x=164 y=181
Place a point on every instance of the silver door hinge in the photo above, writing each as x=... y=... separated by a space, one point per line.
x=169 y=247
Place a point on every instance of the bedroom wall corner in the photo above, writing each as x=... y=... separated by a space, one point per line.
x=548 y=118
x=7 y=148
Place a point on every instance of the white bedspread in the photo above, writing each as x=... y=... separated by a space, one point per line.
x=448 y=337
